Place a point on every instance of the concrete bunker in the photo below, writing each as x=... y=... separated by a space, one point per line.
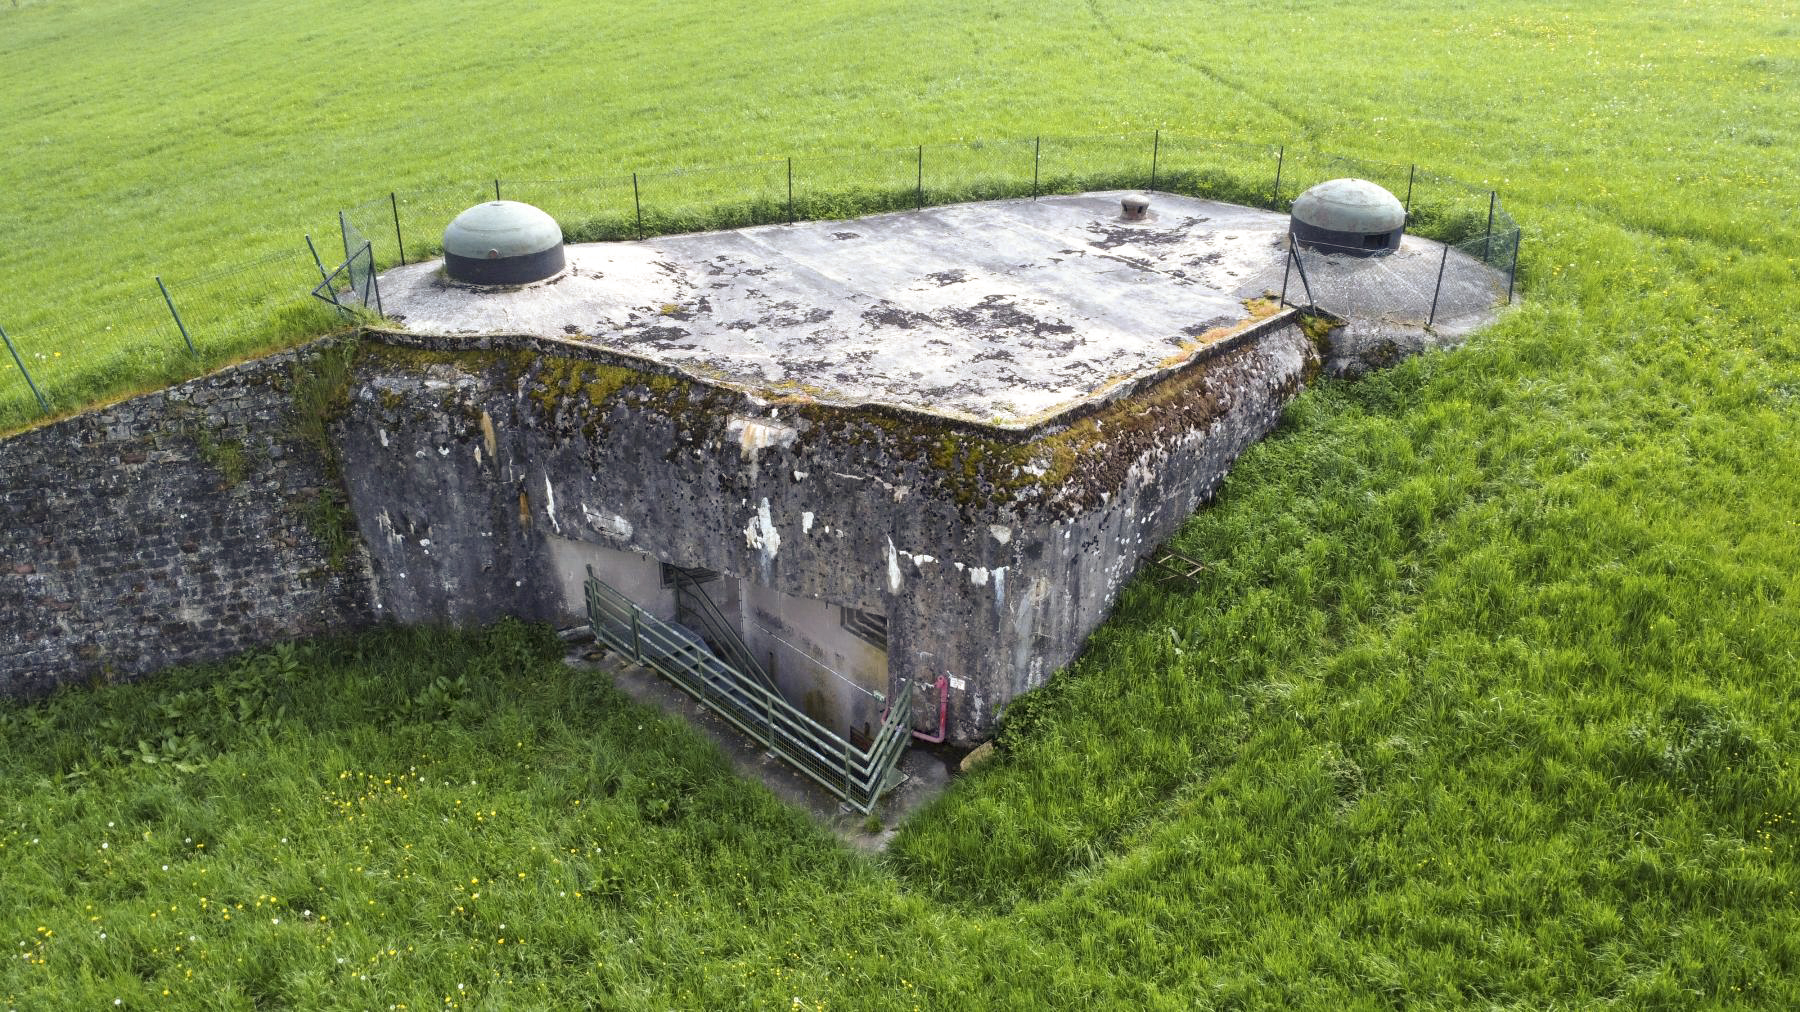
x=905 y=454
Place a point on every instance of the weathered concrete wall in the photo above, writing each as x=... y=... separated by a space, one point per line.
x=484 y=475
x=166 y=529
x=819 y=666
x=993 y=554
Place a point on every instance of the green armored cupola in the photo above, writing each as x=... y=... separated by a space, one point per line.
x=503 y=242
x=1351 y=216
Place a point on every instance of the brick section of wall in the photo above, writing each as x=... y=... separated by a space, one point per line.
x=166 y=529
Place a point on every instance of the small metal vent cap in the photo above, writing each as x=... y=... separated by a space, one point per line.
x=503 y=242
x=1351 y=206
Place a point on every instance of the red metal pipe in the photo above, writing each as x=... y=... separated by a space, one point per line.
x=943 y=686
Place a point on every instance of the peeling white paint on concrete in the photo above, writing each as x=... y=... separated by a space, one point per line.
x=384 y=437
x=922 y=561
x=607 y=523
x=550 y=504
x=958 y=684
x=978 y=575
x=1000 y=587
x=761 y=535
x=806 y=522
x=801 y=475
x=1001 y=532
x=893 y=561
x=754 y=435
x=386 y=524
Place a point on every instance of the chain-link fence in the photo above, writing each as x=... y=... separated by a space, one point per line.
x=1444 y=284
x=177 y=328
x=408 y=226
x=264 y=303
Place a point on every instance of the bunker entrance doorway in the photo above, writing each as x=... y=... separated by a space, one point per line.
x=858 y=773
x=695 y=609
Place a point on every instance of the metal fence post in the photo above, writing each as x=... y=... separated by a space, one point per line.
x=638 y=203
x=1287 y=265
x=399 y=244
x=1513 y=274
x=178 y=324
x=1155 y=149
x=344 y=231
x=374 y=283
x=1438 y=287
x=323 y=277
x=496 y=189
x=921 y=186
x=1410 y=172
x=637 y=647
x=43 y=404
x=1487 y=240
x=1280 y=157
x=1037 y=155
x=790 y=190
x=1301 y=266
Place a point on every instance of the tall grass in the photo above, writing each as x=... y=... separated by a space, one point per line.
x=1486 y=697
x=434 y=819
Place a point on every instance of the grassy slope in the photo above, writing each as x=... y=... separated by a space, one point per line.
x=1489 y=695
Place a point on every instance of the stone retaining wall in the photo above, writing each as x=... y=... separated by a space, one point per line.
x=176 y=527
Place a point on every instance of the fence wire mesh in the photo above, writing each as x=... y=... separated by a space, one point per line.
x=1421 y=284
x=977 y=170
x=594 y=209
x=728 y=196
x=1077 y=164
x=134 y=342
x=1216 y=170
x=845 y=184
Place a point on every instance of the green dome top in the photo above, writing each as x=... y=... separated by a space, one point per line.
x=1350 y=206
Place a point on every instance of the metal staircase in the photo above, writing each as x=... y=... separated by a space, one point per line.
x=693 y=608
x=857 y=775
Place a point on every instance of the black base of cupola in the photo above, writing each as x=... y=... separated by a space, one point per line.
x=1355 y=244
x=519 y=270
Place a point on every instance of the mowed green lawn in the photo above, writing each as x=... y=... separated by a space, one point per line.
x=1488 y=696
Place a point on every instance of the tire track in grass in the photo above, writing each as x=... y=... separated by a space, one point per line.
x=1307 y=130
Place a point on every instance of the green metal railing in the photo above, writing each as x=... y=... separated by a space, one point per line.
x=694 y=607
x=858 y=776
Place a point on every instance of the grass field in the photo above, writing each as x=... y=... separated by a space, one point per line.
x=1488 y=697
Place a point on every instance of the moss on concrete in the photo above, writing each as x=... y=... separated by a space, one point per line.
x=1072 y=465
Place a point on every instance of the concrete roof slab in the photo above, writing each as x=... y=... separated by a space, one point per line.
x=1002 y=311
